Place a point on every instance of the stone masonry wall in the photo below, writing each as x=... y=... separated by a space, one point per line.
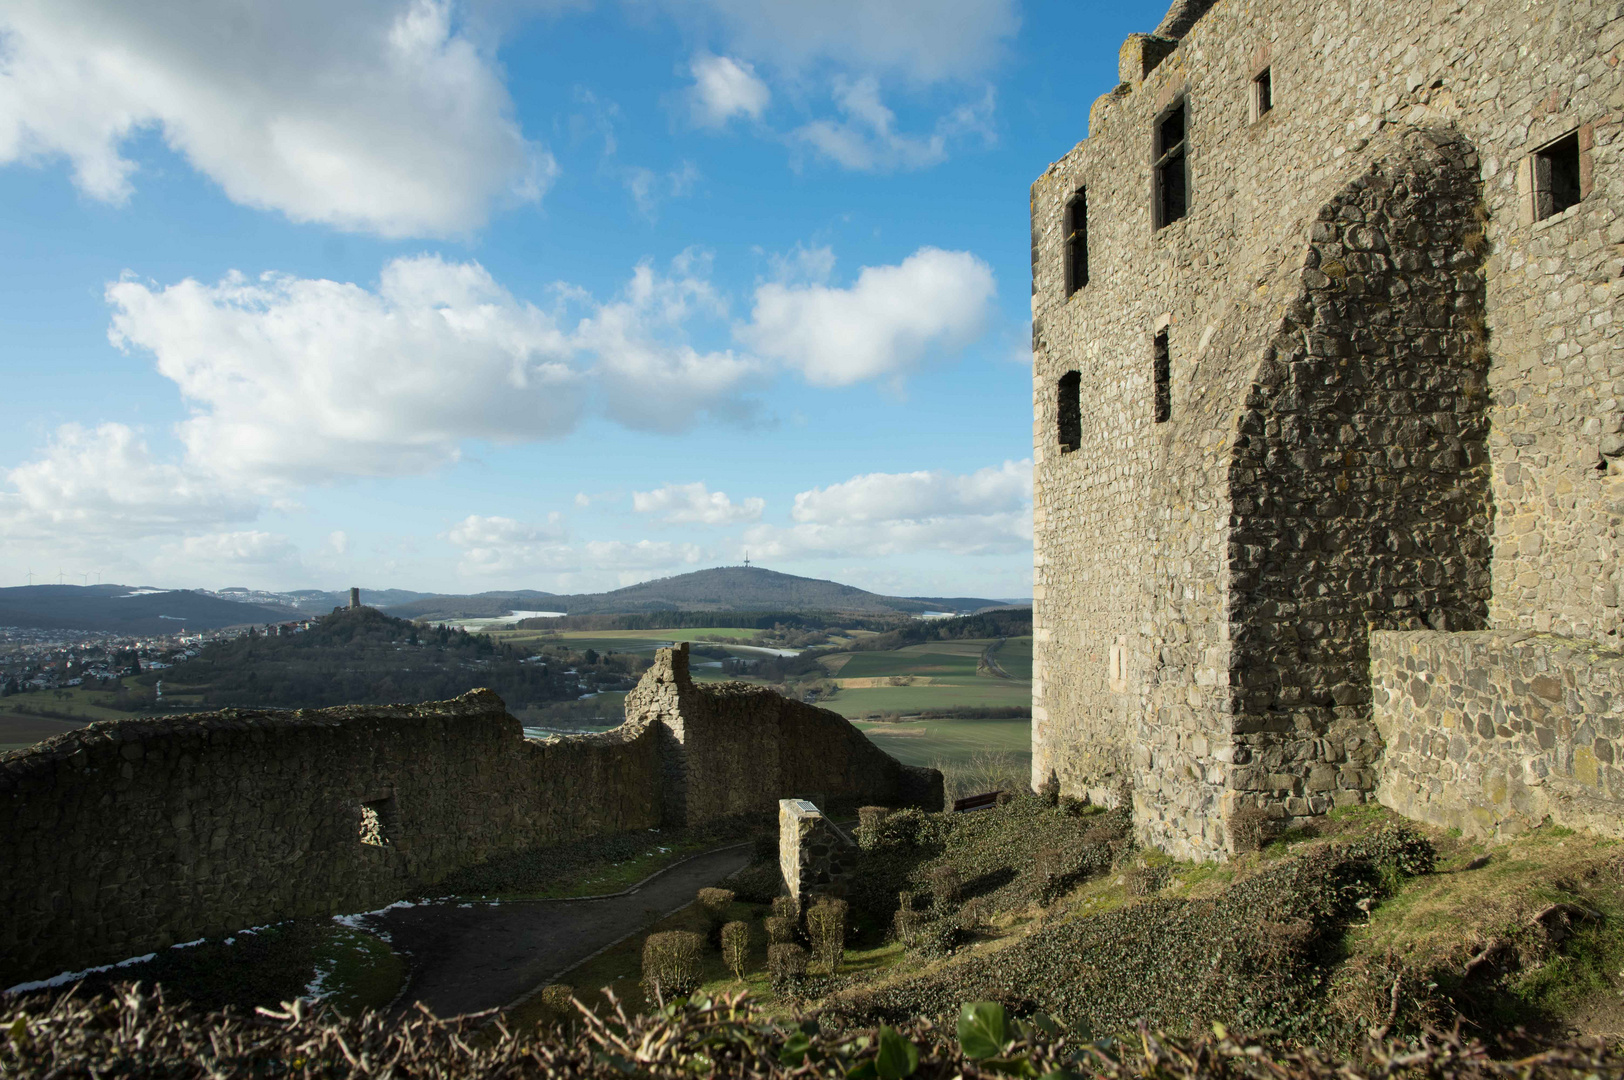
x=1359 y=480
x=1496 y=732
x=128 y=836
x=731 y=748
x=1148 y=621
x=814 y=856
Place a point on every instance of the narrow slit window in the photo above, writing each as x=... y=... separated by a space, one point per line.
x=1556 y=177
x=1172 y=167
x=1162 y=377
x=1077 y=241
x=1069 y=408
x=378 y=822
x=1262 y=94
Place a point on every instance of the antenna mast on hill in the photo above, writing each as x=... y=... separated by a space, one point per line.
x=747 y=558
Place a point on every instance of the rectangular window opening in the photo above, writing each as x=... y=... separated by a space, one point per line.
x=1070 y=411
x=1172 y=167
x=1556 y=177
x=378 y=822
x=1162 y=375
x=1077 y=241
x=1262 y=94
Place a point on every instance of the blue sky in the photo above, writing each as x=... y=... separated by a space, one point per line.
x=506 y=294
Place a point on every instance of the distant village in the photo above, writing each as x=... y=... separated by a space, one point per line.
x=33 y=659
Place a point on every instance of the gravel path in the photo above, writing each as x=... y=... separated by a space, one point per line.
x=469 y=957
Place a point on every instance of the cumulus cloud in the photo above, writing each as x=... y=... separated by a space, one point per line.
x=694 y=504
x=917 y=495
x=649 y=376
x=923 y=41
x=499 y=545
x=104 y=482
x=303 y=380
x=987 y=512
x=648 y=188
x=724 y=88
x=886 y=323
x=369 y=115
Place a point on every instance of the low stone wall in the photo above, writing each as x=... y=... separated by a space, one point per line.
x=128 y=836
x=732 y=748
x=1494 y=732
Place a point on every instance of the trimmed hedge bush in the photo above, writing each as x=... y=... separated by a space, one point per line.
x=736 y=947
x=780 y=931
x=671 y=964
x=826 y=927
x=786 y=967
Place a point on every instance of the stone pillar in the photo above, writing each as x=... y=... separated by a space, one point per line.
x=813 y=855
x=355 y=598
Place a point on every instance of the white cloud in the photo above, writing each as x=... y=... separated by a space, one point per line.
x=237 y=548
x=887 y=322
x=694 y=504
x=917 y=495
x=104 y=483
x=923 y=41
x=303 y=380
x=987 y=512
x=339 y=542
x=867 y=139
x=499 y=545
x=368 y=115
x=724 y=88
x=650 y=377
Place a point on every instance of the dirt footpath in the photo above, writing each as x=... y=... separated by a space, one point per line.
x=469 y=957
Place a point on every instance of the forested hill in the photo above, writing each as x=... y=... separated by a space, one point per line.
x=365 y=657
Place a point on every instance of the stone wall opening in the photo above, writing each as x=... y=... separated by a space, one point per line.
x=1172 y=166
x=1262 y=94
x=1556 y=176
x=378 y=821
x=1069 y=410
x=1161 y=371
x=1077 y=241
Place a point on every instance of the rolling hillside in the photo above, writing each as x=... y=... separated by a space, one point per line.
x=125 y=609
x=725 y=588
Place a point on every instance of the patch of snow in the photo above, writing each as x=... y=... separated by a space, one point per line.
x=74 y=976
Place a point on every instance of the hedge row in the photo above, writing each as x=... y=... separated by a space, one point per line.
x=136 y=1033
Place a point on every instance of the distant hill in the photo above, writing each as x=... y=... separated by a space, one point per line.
x=366 y=657
x=752 y=588
x=323 y=601
x=486 y=605
x=126 y=609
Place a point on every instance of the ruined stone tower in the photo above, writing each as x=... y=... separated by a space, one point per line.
x=1324 y=347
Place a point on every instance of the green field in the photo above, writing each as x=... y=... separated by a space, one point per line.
x=927 y=742
x=939 y=658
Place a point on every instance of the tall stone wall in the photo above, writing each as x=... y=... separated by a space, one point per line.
x=128 y=836
x=733 y=748
x=1496 y=732
x=1176 y=653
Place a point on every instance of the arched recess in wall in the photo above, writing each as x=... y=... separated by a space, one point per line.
x=1359 y=475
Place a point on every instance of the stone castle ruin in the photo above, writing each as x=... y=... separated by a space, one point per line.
x=1329 y=416
x=129 y=836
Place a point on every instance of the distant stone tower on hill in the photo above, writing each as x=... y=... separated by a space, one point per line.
x=355 y=598
x=1328 y=373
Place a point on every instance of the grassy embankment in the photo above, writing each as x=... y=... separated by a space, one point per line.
x=1527 y=934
